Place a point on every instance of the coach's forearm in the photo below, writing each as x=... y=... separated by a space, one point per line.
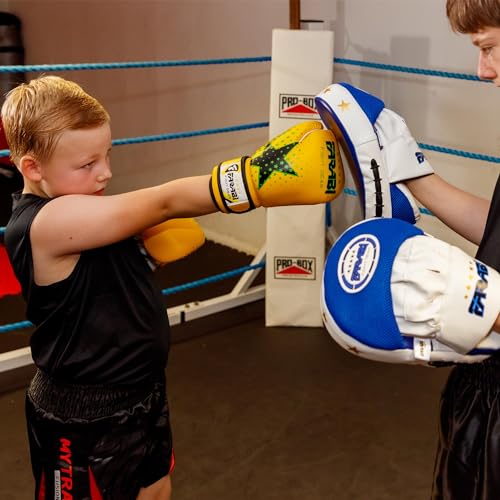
x=496 y=326
x=461 y=211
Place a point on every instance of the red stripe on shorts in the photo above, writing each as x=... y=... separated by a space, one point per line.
x=95 y=493
x=172 y=462
x=41 y=490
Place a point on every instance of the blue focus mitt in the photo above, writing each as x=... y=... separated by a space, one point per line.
x=392 y=293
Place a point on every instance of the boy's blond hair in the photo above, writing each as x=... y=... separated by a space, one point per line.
x=35 y=114
x=471 y=16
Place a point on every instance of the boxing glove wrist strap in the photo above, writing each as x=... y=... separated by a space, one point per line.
x=229 y=186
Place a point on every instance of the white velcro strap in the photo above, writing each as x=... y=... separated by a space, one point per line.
x=422 y=349
x=402 y=155
x=440 y=292
x=231 y=180
x=432 y=352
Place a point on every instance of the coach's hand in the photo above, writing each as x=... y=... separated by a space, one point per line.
x=301 y=166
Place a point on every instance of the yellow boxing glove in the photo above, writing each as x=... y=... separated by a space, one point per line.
x=301 y=166
x=172 y=240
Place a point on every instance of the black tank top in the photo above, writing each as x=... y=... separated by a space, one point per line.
x=105 y=323
x=489 y=249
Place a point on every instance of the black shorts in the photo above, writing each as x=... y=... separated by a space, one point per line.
x=106 y=453
x=467 y=463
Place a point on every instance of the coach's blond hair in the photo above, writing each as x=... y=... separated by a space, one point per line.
x=35 y=114
x=471 y=16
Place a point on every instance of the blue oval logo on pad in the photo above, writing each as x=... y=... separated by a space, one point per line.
x=357 y=262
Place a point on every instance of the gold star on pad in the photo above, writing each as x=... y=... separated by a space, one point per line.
x=344 y=105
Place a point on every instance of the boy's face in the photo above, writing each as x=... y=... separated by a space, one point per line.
x=79 y=164
x=488 y=42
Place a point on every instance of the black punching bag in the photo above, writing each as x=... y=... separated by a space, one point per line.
x=11 y=54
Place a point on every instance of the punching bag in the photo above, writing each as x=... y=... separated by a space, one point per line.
x=11 y=54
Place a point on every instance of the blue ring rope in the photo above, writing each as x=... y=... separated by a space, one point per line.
x=211 y=279
x=235 y=128
x=236 y=60
x=409 y=69
x=167 y=291
x=174 y=135
x=128 y=65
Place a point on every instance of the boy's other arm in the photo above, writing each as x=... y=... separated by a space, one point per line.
x=461 y=211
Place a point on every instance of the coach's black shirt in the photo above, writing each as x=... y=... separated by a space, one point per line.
x=489 y=248
x=105 y=323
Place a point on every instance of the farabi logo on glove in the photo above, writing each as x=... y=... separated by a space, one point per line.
x=358 y=262
x=331 y=186
x=232 y=184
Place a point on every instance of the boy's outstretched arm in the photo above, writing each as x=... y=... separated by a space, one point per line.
x=72 y=223
x=300 y=166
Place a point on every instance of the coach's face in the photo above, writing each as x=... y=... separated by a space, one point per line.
x=488 y=42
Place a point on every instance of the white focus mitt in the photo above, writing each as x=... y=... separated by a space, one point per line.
x=378 y=147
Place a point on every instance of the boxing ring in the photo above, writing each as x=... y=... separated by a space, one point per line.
x=245 y=291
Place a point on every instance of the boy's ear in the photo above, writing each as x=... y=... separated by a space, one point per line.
x=30 y=168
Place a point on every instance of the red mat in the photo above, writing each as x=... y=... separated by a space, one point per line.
x=8 y=282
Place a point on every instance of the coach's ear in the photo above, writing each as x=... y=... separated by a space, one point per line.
x=30 y=168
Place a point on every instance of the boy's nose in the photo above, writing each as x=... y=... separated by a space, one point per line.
x=105 y=174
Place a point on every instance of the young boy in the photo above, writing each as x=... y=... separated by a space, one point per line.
x=468 y=455
x=97 y=412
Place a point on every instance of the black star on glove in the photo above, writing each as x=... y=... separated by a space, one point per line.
x=273 y=160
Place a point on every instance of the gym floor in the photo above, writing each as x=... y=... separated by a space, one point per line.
x=265 y=413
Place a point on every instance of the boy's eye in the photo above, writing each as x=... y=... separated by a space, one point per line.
x=88 y=165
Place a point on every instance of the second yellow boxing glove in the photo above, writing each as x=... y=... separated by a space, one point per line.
x=301 y=166
x=172 y=240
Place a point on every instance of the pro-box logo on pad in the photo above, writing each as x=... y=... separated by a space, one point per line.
x=358 y=262
x=298 y=106
x=295 y=268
